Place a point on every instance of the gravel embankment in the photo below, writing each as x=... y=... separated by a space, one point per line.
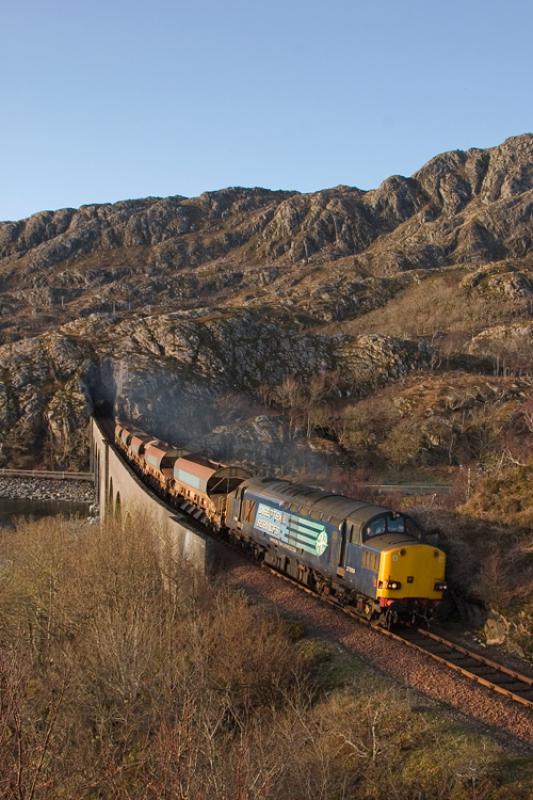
x=46 y=489
x=410 y=668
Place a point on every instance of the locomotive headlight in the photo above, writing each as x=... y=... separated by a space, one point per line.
x=440 y=586
x=394 y=585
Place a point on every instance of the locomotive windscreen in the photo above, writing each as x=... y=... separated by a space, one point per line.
x=391 y=523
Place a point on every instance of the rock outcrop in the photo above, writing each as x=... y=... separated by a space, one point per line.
x=164 y=306
x=172 y=375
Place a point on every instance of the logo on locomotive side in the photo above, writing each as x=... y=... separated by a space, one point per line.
x=292 y=529
x=321 y=543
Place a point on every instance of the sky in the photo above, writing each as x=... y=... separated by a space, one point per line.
x=116 y=99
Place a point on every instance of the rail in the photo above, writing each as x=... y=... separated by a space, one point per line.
x=471 y=665
x=46 y=474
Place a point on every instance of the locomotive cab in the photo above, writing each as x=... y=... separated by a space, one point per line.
x=410 y=579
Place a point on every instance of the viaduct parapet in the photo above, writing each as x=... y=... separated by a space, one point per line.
x=121 y=494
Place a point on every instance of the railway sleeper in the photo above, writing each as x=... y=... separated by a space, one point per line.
x=505 y=681
x=464 y=662
x=461 y=659
x=519 y=688
x=479 y=669
x=445 y=652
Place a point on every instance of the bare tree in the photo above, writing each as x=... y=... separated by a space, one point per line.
x=290 y=396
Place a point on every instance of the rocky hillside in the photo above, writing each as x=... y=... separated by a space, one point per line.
x=269 y=326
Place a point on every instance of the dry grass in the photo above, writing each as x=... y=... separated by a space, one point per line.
x=440 y=305
x=438 y=419
x=488 y=563
x=124 y=675
x=505 y=494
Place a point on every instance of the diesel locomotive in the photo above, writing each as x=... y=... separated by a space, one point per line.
x=367 y=556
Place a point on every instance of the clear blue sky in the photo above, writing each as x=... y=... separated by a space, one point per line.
x=111 y=99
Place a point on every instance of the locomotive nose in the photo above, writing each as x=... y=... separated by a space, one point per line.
x=412 y=571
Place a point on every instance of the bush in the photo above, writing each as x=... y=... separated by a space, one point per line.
x=504 y=496
x=116 y=679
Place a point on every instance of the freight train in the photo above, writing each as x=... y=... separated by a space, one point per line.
x=370 y=557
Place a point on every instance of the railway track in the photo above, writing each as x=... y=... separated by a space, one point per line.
x=47 y=474
x=471 y=665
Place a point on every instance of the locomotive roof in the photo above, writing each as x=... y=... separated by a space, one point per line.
x=327 y=504
x=384 y=541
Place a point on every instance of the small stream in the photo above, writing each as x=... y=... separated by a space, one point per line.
x=10 y=509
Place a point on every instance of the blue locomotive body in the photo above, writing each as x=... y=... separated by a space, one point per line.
x=304 y=531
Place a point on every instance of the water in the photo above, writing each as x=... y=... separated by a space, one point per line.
x=36 y=509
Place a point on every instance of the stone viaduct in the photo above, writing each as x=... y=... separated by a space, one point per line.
x=120 y=493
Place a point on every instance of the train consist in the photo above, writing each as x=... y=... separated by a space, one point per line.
x=368 y=556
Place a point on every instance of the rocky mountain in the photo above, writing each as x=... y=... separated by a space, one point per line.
x=258 y=323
